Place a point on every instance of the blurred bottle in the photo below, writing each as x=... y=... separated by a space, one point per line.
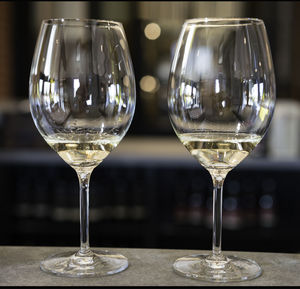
x=65 y=204
x=135 y=194
x=41 y=198
x=232 y=211
x=267 y=204
x=208 y=209
x=24 y=198
x=196 y=202
x=249 y=191
x=98 y=200
x=120 y=209
x=180 y=203
x=106 y=193
x=137 y=206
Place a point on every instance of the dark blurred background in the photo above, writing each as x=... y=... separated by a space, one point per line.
x=149 y=192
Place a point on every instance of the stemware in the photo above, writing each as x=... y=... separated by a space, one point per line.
x=221 y=98
x=82 y=100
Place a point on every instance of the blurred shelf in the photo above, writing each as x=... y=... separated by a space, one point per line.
x=170 y=188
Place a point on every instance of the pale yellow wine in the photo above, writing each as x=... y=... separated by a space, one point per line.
x=219 y=151
x=82 y=151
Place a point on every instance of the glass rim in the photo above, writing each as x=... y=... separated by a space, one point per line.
x=76 y=21
x=223 y=21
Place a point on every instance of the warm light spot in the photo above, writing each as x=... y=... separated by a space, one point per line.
x=148 y=83
x=152 y=31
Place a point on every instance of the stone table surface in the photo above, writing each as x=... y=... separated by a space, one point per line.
x=19 y=266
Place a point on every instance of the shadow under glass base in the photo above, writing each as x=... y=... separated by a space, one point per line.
x=208 y=268
x=95 y=263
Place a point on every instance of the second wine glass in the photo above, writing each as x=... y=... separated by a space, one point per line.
x=82 y=100
x=221 y=100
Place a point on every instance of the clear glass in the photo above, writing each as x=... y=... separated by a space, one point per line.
x=221 y=98
x=82 y=99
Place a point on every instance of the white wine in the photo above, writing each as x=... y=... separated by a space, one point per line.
x=219 y=151
x=82 y=151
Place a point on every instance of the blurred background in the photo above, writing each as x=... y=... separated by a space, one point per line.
x=149 y=192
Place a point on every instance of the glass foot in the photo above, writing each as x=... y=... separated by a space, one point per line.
x=217 y=269
x=98 y=263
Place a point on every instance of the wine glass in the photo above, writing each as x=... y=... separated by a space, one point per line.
x=221 y=98
x=82 y=99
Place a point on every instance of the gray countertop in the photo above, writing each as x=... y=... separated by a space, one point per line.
x=19 y=266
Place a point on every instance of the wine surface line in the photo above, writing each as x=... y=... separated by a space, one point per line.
x=215 y=150
x=78 y=150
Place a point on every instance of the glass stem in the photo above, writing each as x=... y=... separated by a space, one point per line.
x=84 y=182
x=217 y=215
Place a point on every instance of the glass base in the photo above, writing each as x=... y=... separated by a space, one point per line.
x=74 y=264
x=217 y=269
